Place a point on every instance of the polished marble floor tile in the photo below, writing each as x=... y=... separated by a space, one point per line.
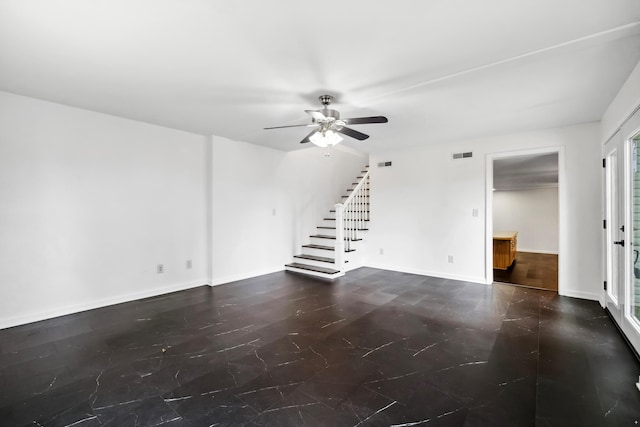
x=374 y=348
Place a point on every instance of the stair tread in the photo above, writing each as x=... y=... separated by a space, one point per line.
x=324 y=236
x=313 y=268
x=333 y=219
x=316 y=258
x=346 y=228
x=323 y=247
x=326 y=248
x=361 y=203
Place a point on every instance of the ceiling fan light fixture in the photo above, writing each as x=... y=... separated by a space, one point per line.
x=325 y=139
x=327 y=122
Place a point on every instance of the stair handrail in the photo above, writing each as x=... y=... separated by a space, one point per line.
x=361 y=184
x=350 y=216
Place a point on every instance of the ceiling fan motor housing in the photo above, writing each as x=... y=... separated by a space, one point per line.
x=330 y=114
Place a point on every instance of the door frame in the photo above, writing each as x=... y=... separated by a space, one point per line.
x=562 y=209
x=629 y=327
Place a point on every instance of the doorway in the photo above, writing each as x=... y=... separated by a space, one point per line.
x=525 y=210
x=525 y=203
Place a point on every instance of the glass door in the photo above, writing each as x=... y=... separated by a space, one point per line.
x=622 y=228
x=631 y=292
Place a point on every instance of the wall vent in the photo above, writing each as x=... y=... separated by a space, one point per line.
x=463 y=155
x=384 y=164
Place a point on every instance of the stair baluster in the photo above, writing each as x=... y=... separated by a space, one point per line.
x=355 y=210
x=340 y=246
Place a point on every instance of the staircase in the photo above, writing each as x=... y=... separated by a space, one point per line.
x=328 y=252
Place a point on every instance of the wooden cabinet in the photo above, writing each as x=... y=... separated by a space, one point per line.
x=504 y=248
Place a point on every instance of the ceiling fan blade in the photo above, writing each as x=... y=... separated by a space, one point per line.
x=365 y=120
x=306 y=138
x=317 y=115
x=292 y=126
x=352 y=133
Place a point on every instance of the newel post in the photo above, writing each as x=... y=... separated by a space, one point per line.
x=339 y=248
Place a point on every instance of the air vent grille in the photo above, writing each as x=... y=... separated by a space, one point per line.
x=462 y=155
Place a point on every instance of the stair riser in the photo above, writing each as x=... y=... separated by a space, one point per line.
x=327 y=223
x=315 y=274
x=330 y=232
x=315 y=263
x=331 y=242
x=319 y=241
x=326 y=231
x=318 y=252
x=323 y=253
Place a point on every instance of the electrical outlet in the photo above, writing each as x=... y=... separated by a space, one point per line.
x=189 y=264
x=160 y=268
x=450 y=259
x=381 y=251
x=474 y=212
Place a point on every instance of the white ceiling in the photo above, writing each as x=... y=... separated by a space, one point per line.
x=440 y=70
x=526 y=172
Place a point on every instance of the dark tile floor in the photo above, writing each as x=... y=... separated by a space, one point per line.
x=531 y=269
x=375 y=348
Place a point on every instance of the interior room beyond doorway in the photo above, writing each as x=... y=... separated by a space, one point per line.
x=526 y=221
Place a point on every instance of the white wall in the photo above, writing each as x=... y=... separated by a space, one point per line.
x=422 y=207
x=250 y=183
x=89 y=205
x=627 y=99
x=533 y=213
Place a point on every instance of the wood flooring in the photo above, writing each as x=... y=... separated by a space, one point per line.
x=533 y=270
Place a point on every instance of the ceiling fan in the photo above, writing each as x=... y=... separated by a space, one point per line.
x=327 y=125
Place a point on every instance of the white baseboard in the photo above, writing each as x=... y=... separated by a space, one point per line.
x=104 y=302
x=437 y=274
x=582 y=295
x=242 y=276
